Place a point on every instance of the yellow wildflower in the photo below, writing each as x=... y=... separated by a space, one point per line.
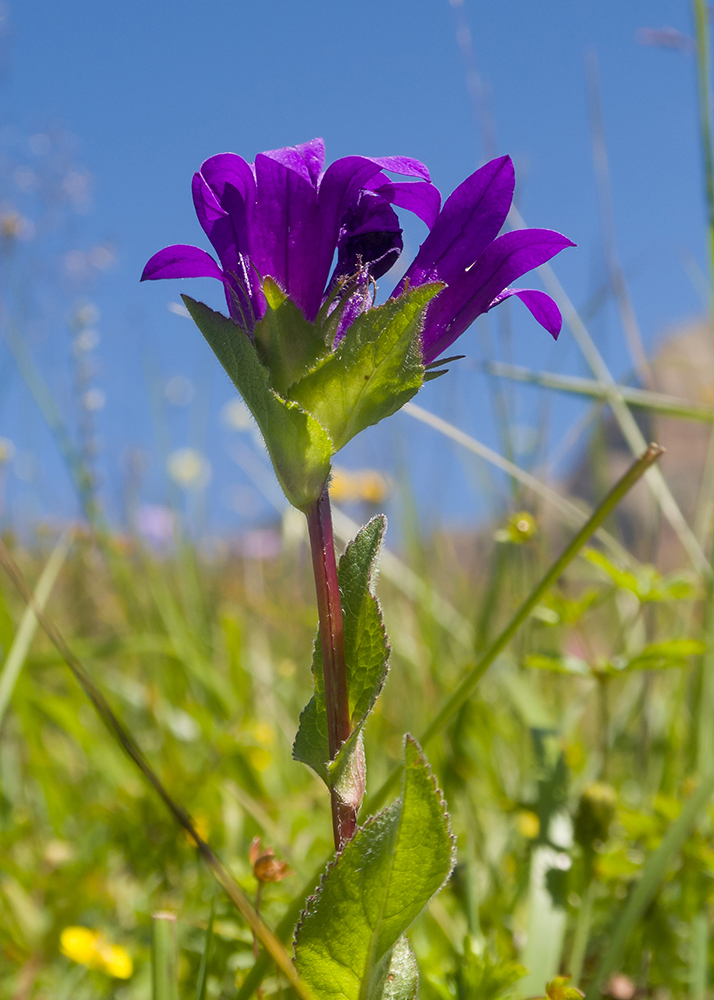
x=528 y=824
x=362 y=485
x=90 y=948
x=521 y=527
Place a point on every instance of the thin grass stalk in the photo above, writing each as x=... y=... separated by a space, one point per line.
x=698 y=956
x=466 y=688
x=126 y=741
x=582 y=932
x=654 y=402
x=202 y=981
x=17 y=654
x=164 y=957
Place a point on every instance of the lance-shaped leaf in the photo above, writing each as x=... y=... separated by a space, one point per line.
x=299 y=447
x=375 y=369
x=366 y=655
x=349 y=942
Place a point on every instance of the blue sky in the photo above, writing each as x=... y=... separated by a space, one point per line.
x=151 y=89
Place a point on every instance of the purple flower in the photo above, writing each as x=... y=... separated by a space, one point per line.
x=283 y=217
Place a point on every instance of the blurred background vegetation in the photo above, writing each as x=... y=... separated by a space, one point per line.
x=577 y=775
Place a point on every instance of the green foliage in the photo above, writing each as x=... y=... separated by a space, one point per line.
x=308 y=401
x=647 y=584
x=299 y=446
x=366 y=656
x=379 y=883
x=287 y=344
x=375 y=369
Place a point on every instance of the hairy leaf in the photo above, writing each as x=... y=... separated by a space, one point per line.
x=299 y=446
x=287 y=343
x=345 y=942
x=374 y=371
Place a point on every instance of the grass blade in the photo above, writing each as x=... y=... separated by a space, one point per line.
x=643 y=399
x=164 y=957
x=28 y=625
x=202 y=983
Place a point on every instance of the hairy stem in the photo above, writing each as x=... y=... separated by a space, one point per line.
x=332 y=641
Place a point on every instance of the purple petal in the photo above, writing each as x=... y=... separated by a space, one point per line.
x=419 y=197
x=229 y=168
x=471 y=293
x=287 y=242
x=470 y=219
x=306 y=159
x=405 y=165
x=544 y=309
x=181 y=262
x=215 y=222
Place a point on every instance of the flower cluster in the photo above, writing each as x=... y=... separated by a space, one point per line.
x=284 y=217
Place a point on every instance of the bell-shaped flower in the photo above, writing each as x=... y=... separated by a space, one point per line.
x=315 y=359
x=282 y=217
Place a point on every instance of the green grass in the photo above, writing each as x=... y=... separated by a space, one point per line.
x=207 y=664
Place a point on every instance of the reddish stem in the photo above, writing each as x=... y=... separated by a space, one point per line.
x=332 y=641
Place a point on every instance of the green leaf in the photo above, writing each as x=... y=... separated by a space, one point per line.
x=571 y=665
x=374 y=371
x=402 y=977
x=299 y=446
x=346 y=940
x=288 y=345
x=366 y=656
x=647 y=583
x=663 y=655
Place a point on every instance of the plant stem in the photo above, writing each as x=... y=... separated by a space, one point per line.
x=332 y=642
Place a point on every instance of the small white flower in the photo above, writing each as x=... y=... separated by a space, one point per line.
x=189 y=468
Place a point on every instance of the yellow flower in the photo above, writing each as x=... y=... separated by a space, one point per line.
x=363 y=485
x=528 y=824
x=520 y=528
x=90 y=948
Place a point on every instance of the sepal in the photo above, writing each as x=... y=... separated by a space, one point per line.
x=299 y=447
x=374 y=370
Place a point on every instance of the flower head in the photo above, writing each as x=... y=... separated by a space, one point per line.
x=283 y=217
x=315 y=359
x=90 y=948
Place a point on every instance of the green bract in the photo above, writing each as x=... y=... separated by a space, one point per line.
x=307 y=399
